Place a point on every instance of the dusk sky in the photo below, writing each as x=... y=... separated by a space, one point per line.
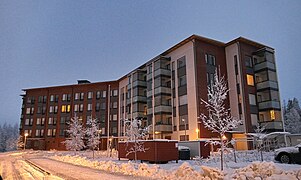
x=47 y=43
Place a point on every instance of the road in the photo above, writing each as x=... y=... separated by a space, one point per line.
x=19 y=166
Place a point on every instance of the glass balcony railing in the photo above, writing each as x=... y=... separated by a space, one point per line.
x=269 y=105
x=267 y=84
x=263 y=65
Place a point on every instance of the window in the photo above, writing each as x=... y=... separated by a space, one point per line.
x=89 y=107
x=252 y=99
x=64 y=97
x=62 y=132
x=181 y=62
x=51 y=98
x=102 y=118
x=182 y=81
x=76 y=107
x=82 y=96
x=115 y=92
x=28 y=122
x=98 y=95
x=63 y=120
x=42 y=121
x=81 y=107
x=68 y=108
x=40 y=99
x=51 y=132
x=76 y=96
x=114 y=117
x=90 y=95
x=38 y=133
x=27 y=110
x=55 y=109
x=250 y=80
x=103 y=131
x=56 y=98
x=50 y=120
x=272 y=115
x=248 y=61
x=63 y=108
x=97 y=107
x=104 y=94
x=44 y=99
x=38 y=121
x=39 y=111
x=28 y=132
x=114 y=130
x=182 y=100
x=103 y=106
x=114 y=105
x=210 y=59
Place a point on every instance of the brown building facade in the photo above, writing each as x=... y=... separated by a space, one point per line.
x=164 y=92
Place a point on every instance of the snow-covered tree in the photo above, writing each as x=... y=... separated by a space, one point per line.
x=92 y=134
x=8 y=137
x=219 y=119
x=292 y=116
x=135 y=133
x=75 y=141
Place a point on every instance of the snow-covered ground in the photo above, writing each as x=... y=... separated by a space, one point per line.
x=246 y=166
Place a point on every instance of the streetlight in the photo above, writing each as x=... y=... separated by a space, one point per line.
x=197 y=132
x=25 y=135
x=185 y=128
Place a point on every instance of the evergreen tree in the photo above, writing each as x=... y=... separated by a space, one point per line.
x=292 y=116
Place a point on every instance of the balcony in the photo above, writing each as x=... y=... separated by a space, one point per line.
x=163 y=128
x=263 y=65
x=165 y=90
x=165 y=72
x=269 y=105
x=272 y=125
x=267 y=84
x=139 y=83
x=139 y=99
x=163 y=109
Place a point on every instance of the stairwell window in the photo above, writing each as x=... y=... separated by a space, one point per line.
x=250 y=80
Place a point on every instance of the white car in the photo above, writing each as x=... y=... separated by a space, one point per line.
x=289 y=154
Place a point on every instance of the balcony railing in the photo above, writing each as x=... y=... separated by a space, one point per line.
x=165 y=72
x=265 y=64
x=163 y=128
x=267 y=84
x=272 y=125
x=269 y=105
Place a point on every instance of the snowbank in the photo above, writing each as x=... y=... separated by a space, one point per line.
x=263 y=170
x=254 y=171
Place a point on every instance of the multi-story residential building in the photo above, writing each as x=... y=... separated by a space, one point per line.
x=166 y=93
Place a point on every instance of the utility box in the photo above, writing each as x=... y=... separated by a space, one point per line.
x=156 y=151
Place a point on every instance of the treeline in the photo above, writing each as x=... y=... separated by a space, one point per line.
x=9 y=135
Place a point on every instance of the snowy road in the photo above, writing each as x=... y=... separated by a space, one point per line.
x=16 y=167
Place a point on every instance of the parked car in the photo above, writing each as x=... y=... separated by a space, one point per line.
x=289 y=154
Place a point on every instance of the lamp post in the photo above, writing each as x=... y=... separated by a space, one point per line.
x=25 y=135
x=185 y=128
x=197 y=133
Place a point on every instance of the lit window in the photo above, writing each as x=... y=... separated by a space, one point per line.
x=250 y=80
x=114 y=117
x=68 y=108
x=272 y=114
x=63 y=108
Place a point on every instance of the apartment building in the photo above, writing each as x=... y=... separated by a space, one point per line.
x=165 y=93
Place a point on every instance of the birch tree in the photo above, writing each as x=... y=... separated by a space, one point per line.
x=75 y=141
x=92 y=134
x=218 y=119
x=135 y=133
